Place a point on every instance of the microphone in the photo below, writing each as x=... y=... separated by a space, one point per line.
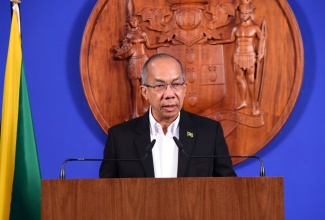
x=181 y=148
x=146 y=153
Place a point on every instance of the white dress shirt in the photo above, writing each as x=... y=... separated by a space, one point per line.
x=165 y=151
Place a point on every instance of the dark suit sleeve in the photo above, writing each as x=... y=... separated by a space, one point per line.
x=222 y=166
x=109 y=169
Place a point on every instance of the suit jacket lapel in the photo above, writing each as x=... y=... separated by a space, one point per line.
x=141 y=143
x=187 y=136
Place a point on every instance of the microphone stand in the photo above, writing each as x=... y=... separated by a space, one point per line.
x=181 y=148
x=148 y=149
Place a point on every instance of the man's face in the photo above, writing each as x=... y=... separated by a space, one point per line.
x=165 y=104
x=245 y=14
x=133 y=22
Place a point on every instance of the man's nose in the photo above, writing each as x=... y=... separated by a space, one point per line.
x=169 y=92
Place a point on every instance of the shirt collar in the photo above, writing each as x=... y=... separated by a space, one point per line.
x=155 y=127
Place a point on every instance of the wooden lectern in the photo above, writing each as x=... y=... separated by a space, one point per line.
x=160 y=198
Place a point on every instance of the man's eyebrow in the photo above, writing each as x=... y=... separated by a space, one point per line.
x=162 y=81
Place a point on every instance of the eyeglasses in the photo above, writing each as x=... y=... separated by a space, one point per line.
x=162 y=87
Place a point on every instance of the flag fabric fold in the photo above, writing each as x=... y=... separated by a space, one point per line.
x=20 y=177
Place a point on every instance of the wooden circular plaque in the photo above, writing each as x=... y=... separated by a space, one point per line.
x=243 y=62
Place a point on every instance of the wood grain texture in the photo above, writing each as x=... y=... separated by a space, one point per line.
x=178 y=198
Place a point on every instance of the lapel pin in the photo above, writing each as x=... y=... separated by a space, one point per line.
x=189 y=134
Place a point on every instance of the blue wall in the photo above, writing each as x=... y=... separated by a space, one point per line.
x=65 y=127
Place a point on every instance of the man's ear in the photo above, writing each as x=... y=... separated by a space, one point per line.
x=144 y=92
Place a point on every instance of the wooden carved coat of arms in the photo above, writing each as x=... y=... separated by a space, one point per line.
x=243 y=61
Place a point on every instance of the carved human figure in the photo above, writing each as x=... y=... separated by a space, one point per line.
x=248 y=52
x=133 y=46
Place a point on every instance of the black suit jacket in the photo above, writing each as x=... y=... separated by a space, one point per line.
x=199 y=135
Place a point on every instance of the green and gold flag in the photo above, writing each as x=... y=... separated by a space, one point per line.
x=20 y=178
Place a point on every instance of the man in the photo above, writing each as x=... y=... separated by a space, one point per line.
x=248 y=51
x=164 y=86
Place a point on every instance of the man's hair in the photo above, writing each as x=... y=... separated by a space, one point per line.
x=144 y=76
